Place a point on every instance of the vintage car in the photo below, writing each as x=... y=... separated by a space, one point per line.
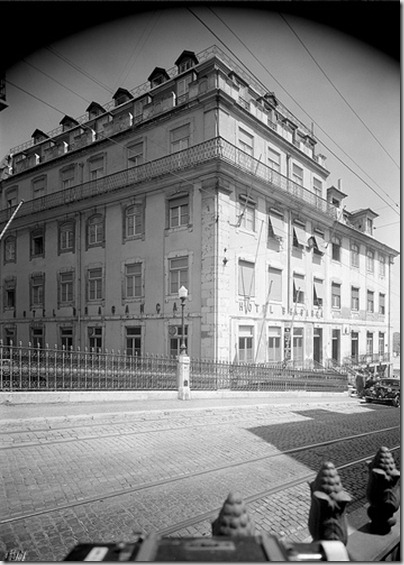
x=385 y=391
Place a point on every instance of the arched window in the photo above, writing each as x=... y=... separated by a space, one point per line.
x=95 y=231
x=10 y=249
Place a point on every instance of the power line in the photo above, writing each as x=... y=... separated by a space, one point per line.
x=55 y=80
x=336 y=89
x=79 y=69
x=294 y=100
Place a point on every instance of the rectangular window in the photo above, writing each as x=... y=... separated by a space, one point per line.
x=95 y=230
x=94 y=280
x=370 y=261
x=11 y=197
x=133 y=280
x=246 y=141
x=317 y=187
x=369 y=343
x=381 y=343
x=37 y=291
x=66 y=338
x=67 y=177
x=275 y=282
x=354 y=299
x=245 y=344
x=178 y=274
x=318 y=293
x=96 y=168
x=274 y=160
x=180 y=138
x=297 y=174
x=316 y=242
x=134 y=341
x=246 y=278
x=335 y=295
x=66 y=281
x=183 y=87
x=9 y=294
x=297 y=344
x=38 y=187
x=336 y=249
x=37 y=243
x=66 y=237
x=274 y=345
x=175 y=334
x=247 y=215
x=382 y=304
x=95 y=338
x=370 y=301
x=10 y=249
x=354 y=255
x=299 y=287
x=135 y=153
x=134 y=221
x=179 y=212
x=37 y=336
x=382 y=265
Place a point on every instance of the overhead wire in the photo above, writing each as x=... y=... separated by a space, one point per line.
x=294 y=100
x=78 y=68
x=55 y=80
x=336 y=89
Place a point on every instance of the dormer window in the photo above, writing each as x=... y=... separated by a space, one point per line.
x=94 y=110
x=68 y=123
x=121 y=96
x=39 y=136
x=186 y=61
x=158 y=76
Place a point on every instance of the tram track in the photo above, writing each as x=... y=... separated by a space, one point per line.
x=211 y=514
x=120 y=434
x=163 y=482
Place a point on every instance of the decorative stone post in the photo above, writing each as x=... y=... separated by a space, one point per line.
x=383 y=491
x=184 y=392
x=327 y=520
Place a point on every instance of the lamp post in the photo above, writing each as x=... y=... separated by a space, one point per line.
x=183 y=294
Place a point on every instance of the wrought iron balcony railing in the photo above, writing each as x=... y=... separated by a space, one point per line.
x=216 y=148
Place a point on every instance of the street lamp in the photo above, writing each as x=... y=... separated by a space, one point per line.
x=183 y=294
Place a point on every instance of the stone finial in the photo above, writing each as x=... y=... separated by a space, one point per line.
x=233 y=519
x=327 y=520
x=382 y=491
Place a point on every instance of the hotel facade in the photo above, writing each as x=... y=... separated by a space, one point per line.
x=197 y=178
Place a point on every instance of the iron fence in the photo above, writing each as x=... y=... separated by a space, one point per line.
x=27 y=368
x=34 y=368
x=216 y=375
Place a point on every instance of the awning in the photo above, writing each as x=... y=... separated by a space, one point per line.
x=278 y=225
x=319 y=288
x=319 y=239
x=301 y=234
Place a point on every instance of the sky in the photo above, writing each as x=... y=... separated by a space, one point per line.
x=347 y=88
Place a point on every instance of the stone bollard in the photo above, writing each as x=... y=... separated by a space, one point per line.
x=327 y=520
x=382 y=491
x=184 y=392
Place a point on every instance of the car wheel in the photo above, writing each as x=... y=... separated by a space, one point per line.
x=396 y=402
x=368 y=400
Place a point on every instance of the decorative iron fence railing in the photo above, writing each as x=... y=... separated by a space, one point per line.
x=33 y=368
x=216 y=375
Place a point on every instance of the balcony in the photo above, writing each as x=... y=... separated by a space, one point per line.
x=216 y=149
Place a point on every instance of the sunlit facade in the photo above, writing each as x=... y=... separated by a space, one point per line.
x=197 y=178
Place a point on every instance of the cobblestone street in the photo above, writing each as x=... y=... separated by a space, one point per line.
x=103 y=475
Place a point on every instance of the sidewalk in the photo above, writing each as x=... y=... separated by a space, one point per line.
x=46 y=408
